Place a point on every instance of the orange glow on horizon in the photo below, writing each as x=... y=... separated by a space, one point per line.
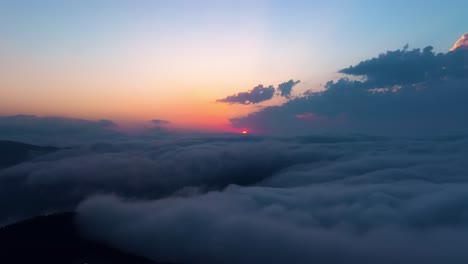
x=245 y=132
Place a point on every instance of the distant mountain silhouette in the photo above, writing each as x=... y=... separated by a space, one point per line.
x=12 y=153
x=55 y=239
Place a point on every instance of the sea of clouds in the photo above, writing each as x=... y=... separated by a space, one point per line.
x=230 y=199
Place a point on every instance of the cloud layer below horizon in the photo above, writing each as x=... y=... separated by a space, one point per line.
x=329 y=200
x=59 y=131
x=281 y=200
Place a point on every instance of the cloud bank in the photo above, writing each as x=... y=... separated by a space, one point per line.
x=404 y=92
x=402 y=67
x=141 y=169
x=222 y=199
x=55 y=130
x=354 y=200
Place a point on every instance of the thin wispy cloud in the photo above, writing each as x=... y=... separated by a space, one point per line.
x=160 y=122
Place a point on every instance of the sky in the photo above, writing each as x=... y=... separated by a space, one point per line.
x=136 y=61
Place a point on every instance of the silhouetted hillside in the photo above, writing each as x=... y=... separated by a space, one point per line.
x=55 y=239
x=12 y=153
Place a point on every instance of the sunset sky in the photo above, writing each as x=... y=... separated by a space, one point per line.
x=240 y=131
x=134 y=61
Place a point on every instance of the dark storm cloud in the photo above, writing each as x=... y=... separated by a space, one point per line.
x=257 y=95
x=405 y=93
x=160 y=122
x=285 y=88
x=55 y=130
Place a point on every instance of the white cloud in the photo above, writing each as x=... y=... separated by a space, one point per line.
x=328 y=199
x=462 y=43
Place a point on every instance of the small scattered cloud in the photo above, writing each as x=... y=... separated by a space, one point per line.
x=285 y=88
x=260 y=94
x=160 y=122
x=257 y=95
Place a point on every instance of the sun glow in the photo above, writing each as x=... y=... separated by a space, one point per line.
x=245 y=132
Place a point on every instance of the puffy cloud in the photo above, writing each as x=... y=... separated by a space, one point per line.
x=285 y=88
x=55 y=130
x=256 y=200
x=257 y=95
x=142 y=169
x=405 y=92
x=373 y=200
x=437 y=108
x=260 y=94
x=256 y=226
x=462 y=43
x=405 y=66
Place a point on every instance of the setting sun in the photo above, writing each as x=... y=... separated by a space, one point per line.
x=244 y=132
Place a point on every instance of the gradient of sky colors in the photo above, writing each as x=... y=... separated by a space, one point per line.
x=133 y=61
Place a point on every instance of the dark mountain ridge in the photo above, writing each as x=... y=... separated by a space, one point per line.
x=56 y=239
x=12 y=153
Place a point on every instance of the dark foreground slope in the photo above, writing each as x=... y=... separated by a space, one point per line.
x=55 y=239
x=12 y=153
